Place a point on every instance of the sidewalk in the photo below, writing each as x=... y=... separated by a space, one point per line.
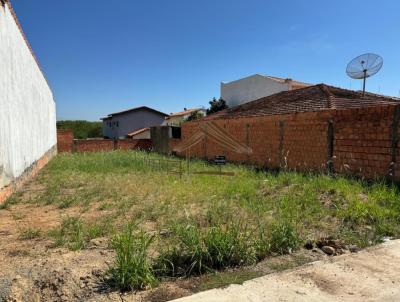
x=370 y=275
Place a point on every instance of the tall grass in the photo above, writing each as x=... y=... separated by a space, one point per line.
x=75 y=234
x=212 y=222
x=131 y=269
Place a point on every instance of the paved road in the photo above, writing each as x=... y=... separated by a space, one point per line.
x=370 y=275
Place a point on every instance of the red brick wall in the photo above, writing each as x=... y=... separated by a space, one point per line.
x=93 y=145
x=362 y=143
x=102 y=145
x=65 y=140
x=134 y=144
x=362 y=139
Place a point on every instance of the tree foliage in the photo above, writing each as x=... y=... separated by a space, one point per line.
x=195 y=115
x=216 y=105
x=82 y=129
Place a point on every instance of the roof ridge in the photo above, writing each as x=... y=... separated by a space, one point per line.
x=330 y=96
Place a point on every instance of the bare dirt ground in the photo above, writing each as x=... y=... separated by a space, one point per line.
x=370 y=275
x=33 y=270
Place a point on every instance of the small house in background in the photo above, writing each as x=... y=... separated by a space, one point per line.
x=121 y=124
x=176 y=119
x=256 y=87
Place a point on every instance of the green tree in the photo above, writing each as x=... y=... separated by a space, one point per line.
x=216 y=105
x=195 y=115
x=82 y=129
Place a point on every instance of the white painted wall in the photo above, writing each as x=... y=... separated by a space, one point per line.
x=27 y=108
x=249 y=89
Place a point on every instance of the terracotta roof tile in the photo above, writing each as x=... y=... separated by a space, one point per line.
x=188 y=111
x=312 y=98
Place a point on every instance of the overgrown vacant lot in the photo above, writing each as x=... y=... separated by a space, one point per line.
x=91 y=225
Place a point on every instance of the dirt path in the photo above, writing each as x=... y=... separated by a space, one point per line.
x=370 y=275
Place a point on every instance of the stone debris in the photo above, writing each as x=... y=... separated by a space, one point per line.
x=333 y=247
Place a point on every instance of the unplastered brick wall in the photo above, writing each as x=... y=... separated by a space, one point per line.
x=360 y=141
x=65 y=140
x=103 y=145
x=93 y=145
x=363 y=141
x=134 y=144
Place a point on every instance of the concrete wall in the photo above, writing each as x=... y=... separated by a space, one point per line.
x=129 y=122
x=160 y=137
x=250 y=89
x=27 y=108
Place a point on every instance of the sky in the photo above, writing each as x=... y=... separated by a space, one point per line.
x=105 y=56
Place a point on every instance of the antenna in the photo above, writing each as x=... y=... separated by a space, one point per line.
x=363 y=67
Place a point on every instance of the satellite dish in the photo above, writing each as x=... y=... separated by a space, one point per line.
x=364 y=66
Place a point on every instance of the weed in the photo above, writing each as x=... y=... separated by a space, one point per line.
x=75 y=234
x=132 y=269
x=197 y=251
x=29 y=234
x=276 y=210
x=283 y=238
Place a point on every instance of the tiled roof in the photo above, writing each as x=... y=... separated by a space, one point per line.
x=188 y=111
x=135 y=109
x=136 y=132
x=312 y=98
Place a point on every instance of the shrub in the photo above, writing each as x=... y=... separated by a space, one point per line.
x=131 y=269
x=283 y=238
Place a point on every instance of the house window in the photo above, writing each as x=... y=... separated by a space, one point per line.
x=117 y=124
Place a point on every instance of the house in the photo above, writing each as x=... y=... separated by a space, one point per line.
x=121 y=124
x=255 y=87
x=28 y=136
x=176 y=119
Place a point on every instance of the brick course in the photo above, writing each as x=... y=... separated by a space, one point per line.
x=67 y=143
x=362 y=140
x=65 y=139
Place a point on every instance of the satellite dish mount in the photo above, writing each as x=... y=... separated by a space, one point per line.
x=363 y=67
